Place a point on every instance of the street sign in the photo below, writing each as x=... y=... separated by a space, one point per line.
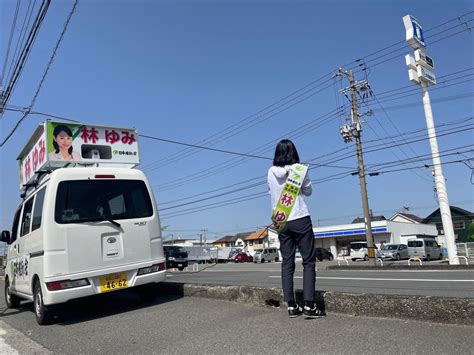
x=414 y=32
x=422 y=59
x=413 y=76
x=426 y=75
x=410 y=60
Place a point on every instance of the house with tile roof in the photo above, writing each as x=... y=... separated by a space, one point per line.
x=231 y=240
x=463 y=221
x=256 y=240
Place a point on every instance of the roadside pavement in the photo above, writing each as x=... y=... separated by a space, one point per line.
x=118 y=324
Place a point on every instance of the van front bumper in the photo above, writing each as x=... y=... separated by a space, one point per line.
x=94 y=287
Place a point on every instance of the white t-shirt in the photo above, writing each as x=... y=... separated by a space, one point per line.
x=276 y=179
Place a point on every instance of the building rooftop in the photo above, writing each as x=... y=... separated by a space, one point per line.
x=260 y=234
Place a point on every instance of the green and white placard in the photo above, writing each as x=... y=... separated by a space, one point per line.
x=288 y=195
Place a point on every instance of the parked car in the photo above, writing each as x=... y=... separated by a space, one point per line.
x=266 y=254
x=424 y=248
x=176 y=257
x=322 y=254
x=243 y=258
x=359 y=251
x=394 y=251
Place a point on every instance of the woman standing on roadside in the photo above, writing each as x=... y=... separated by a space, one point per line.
x=292 y=219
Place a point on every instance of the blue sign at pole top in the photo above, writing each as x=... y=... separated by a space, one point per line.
x=414 y=32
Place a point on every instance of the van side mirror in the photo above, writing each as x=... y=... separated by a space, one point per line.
x=6 y=237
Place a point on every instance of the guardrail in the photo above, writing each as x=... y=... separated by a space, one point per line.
x=459 y=258
x=415 y=259
x=343 y=259
x=195 y=267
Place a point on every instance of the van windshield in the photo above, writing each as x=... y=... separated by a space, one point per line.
x=357 y=246
x=91 y=200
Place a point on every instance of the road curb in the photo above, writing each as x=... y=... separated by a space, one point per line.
x=400 y=267
x=421 y=308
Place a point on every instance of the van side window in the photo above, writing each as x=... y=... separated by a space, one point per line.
x=38 y=210
x=16 y=220
x=26 y=219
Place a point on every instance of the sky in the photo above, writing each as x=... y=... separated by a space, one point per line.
x=238 y=76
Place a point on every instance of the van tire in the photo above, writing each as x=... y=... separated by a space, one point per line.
x=398 y=257
x=42 y=314
x=428 y=257
x=276 y=259
x=366 y=257
x=263 y=260
x=353 y=259
x=11 y=300
x=331 y=258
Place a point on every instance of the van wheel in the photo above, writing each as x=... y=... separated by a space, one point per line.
x=398 y=257
x=331 y=258
x=428 y=257
x=11 y=300
x=276 y=259
x=353 y=259
x=181 y=268
x=263 y=260
x=366 y=257
x=42 y=314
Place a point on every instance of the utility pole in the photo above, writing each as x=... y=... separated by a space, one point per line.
x=421 y=72
x=354 y=130
x=203 y=235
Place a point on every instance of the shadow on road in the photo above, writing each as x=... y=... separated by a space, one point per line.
x=95 y=307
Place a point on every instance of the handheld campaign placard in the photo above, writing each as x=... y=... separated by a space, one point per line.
x=58 y=144
x=288 y=195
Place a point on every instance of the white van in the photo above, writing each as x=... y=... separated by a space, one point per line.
x=82 y=231
x=266 y=254
x=358 y=250
x=424 y=248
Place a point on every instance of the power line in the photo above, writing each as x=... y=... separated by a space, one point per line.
x=173 y=158
x=40 y=85
x=12 y=31
x=327 y=178
x=25 y=52
x=262 y=194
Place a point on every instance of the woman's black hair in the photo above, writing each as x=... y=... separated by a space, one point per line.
x=58 y=129
x=285 y=153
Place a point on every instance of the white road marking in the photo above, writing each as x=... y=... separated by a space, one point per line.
x=376 y=279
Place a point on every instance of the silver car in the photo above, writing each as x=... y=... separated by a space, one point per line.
x=394 y=251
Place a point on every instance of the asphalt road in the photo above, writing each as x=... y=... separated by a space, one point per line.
x=443 y=283
x=119 y=323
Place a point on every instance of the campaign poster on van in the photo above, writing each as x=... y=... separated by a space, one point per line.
x=57 y=144
x=80 y=142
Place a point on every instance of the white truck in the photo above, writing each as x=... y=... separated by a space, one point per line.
x=83 y=228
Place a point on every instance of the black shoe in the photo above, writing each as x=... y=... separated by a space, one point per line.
x=294 y=312
x=312 y=312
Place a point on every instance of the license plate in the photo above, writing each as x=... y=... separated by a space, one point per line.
x=179 y=265
x=113 y=282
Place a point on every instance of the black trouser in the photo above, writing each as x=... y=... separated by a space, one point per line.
x=298 y=233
